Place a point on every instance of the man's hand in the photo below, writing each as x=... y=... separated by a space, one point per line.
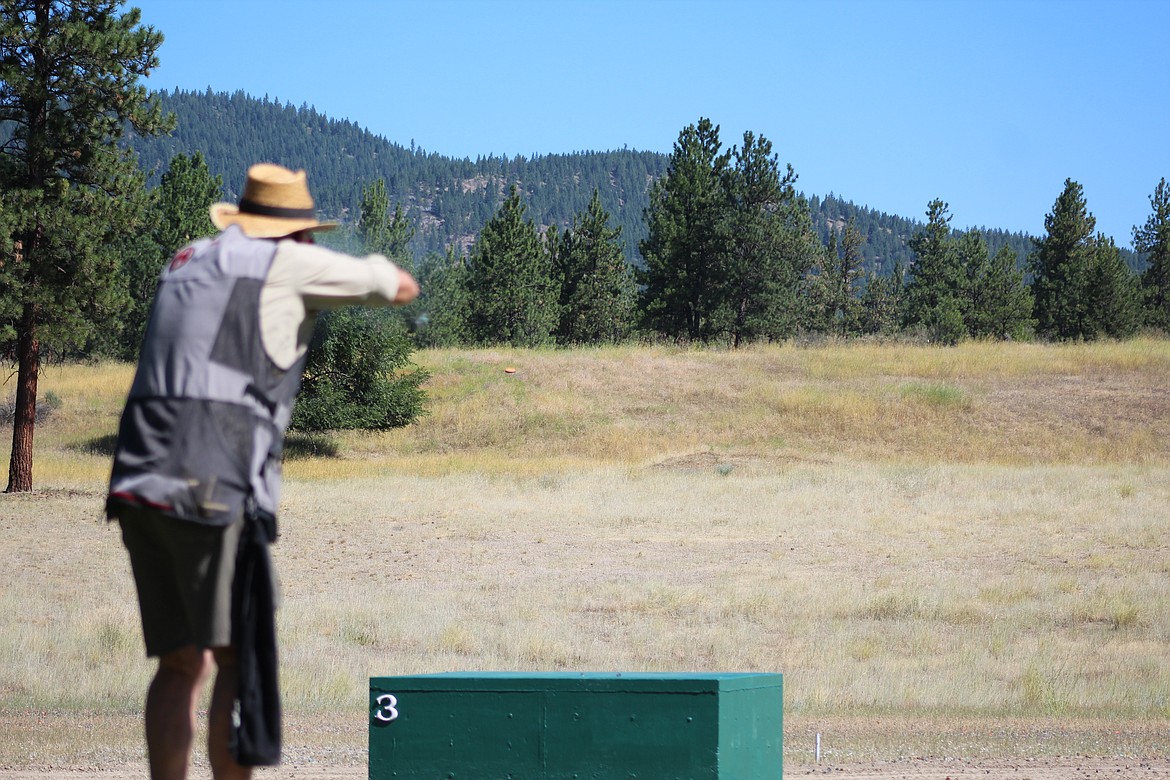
x=407 y=288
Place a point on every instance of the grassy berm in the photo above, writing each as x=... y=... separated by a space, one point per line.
x=959 y=553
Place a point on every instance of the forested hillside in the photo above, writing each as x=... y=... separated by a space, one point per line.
x=449 y=200
x=886 y=237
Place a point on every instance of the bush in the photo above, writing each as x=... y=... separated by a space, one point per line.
x=359 y=375
x=47 y=403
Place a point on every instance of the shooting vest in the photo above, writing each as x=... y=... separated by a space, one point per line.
x=201 y=435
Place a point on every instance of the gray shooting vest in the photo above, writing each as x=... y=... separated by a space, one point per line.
x=202 y=431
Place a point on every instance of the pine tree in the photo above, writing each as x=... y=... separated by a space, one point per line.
x=389 y=235
x=69 y=86
x=881 y=303
x=817 y=288
x=934 y=295
x=183 y=196
x=832 y=286
x=1062 y=266
x=1000 y=301
x=512 y=295
x=382 y=232
x=443 y=310
x=140 y=258
x=771 y=246
x=598 y=292
x=177 y=215
x=846 y=277
x=1114 y=293
x=972 y=259
x=686 y=249
x=1153 y=240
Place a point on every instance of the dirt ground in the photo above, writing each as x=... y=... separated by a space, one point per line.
x=61 y=746
x=1034 y=769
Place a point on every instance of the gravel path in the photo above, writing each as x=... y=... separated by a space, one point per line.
x=1039 y=769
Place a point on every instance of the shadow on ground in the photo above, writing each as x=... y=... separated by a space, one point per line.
x=297 y=446
x=102 y=445
x=300 y=446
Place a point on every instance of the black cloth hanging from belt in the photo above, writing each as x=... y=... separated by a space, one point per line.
x=255 y=735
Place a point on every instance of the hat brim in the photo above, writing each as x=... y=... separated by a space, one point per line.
x=257 y=226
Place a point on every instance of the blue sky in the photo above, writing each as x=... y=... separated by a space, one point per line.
x=987 y=105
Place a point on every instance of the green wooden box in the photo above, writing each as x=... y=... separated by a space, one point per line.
x=576 y=726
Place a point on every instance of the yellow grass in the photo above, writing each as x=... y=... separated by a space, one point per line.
x=930 y=544
x=978 y=403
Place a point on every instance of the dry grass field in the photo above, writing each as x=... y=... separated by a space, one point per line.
x=951 y=554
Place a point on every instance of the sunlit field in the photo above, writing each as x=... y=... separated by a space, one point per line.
x=956 y=552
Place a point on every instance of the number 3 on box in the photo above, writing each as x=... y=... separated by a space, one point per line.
x=387 y=708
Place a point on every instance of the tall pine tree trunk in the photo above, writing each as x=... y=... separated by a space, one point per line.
x=28 y=356
x=70 y=92
x=28 y=344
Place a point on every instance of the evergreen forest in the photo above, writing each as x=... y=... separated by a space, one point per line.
x=449 y=200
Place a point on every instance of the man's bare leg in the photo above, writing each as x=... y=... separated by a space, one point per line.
x=170 y=711
x=219 y=719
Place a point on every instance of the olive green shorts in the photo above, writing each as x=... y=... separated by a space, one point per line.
x=183 y=572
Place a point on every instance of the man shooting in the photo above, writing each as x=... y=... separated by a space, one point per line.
x=196 y=474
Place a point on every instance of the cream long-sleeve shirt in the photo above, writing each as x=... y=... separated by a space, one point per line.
x=306 y=279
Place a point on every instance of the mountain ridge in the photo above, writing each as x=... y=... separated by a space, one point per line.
x=449 y=199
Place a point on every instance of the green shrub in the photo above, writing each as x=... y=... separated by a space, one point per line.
x=359 y=374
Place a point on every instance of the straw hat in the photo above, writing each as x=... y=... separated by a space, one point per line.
x=276 y=203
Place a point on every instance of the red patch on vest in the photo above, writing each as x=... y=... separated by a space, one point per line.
x=181 y=257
